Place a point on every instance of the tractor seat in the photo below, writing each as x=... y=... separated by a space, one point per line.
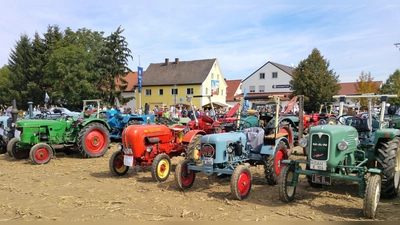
x=361 y=125
x=255 y=138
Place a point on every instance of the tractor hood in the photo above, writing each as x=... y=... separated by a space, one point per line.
x=39 y=123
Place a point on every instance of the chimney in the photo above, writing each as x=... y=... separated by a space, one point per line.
x=166 y=61
x=176 y=60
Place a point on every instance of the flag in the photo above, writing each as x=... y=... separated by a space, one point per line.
x=290 y=105
x=140 y=78
x=246 y=103
x=46 y=98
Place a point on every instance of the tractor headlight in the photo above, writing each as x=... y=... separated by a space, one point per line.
x=303 y=142
x=230 y=148
x=342 y=145
x=149 y=149
x=120 y=147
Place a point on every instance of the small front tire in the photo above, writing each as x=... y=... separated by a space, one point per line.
x=241 y=182
x=286 y=191
x=40 y=153
x=372 y=195
x=116 y=164
x=161 y=167
x=184 y=178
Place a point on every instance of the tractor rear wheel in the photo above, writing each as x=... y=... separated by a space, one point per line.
x=94 y=140
x=286 y=192
x=193 y=149
x=273 y=163
x=389 y=163
x=161 y=167
x=184 y=178
x=116 y=164
x=372 y=194
x=241 y=182
x=14 y=151
x=40 y=153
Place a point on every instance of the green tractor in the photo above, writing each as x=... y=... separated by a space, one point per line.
x=354 y=149
x=40 y=139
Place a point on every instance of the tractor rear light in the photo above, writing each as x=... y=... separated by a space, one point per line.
x=342 y=145
x=303 y=142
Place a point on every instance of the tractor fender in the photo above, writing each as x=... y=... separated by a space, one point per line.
x=271 y=149
x=190 y=134
x=95 y=120
x=385 y=134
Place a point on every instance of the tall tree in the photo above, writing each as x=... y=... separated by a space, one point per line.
x=392 y=86
x=7 y=94
x=114 y=66
x=313 y=79
x=365 y=84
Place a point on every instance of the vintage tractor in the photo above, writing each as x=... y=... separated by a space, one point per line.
x=229 y=153
x=118 y=121
x=152 y=145
x=39 y=139
x=354 y=151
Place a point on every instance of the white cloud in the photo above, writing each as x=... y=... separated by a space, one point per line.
x=353 y=38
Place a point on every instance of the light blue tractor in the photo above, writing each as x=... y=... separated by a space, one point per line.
x=233 y=153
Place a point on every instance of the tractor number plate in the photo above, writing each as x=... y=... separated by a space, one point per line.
x=128 y=160
x=321 y=179
x=317 y=165
x=208 y=161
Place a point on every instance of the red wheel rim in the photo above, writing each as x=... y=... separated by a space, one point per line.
x=186 y=176
x=280 y=155
x=119 y=161
x=95 y=141
x=42 y=155
x=244 y=183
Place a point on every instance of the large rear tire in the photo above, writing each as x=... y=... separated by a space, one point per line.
x=372 y=195
x=184 y=178
x=193 y=149
x=241 y=182
x=116 y=164
x=389 y=163
x=273 y=163
x=286 y=192
x=94 y=140
x=161 y=167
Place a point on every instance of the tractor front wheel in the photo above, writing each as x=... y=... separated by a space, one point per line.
x=41 y=153
x=184 y=178
x=241 y=182
x=273 y=163
x=14 y=151
x=286 y=192
x=161 y=167
x=94 y=140
x=116 y=164
x=389 y=163
x=372 y=195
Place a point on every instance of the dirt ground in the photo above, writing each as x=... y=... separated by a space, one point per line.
x=72 y=188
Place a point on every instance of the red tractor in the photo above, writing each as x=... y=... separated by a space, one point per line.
x=153 y=145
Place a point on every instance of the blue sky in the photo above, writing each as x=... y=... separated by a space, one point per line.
x=242 y=35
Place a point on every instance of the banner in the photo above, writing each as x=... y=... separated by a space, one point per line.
x=246 y=103
x=290 y=105
x=140 y=78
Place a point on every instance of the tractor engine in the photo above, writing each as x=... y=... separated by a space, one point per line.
x=223 y=148
x=331 y=145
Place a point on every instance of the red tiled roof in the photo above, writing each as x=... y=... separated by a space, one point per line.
x=232 y=86
x=350 y=88
x=132 y=79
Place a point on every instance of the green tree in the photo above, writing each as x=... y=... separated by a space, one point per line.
x=313 y=79
x=365 y=84
x=392 y=86
x=114 y=66
x=7 y=93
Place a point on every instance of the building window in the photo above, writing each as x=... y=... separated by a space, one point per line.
x=262 y=76
x=160 y=91
x=217 y=76
x=189 y=91
x=148 y=91
x=261 y=88
x=274 y=74
x=174 y=91
x=212 y=76
x=206 y=91
x=222 y=92
x=252 y=89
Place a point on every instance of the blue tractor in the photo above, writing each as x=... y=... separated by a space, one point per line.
x=232 y=153
x=119 y=121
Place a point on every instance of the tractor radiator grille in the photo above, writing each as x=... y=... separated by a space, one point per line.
x=320 y=146
x=207 y=150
